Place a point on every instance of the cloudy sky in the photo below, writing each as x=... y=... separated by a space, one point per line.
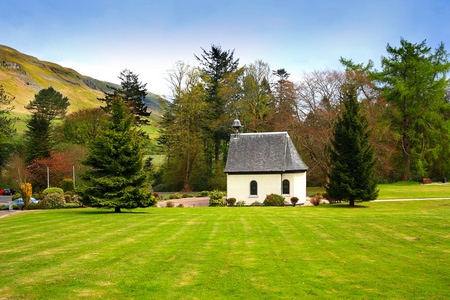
x=101 y=38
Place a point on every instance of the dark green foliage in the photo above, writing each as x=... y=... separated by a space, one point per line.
x=67 y=185
x=49 y=103
x=7 y=128
x=216 y=199
x=274 y=200
x=415 y=84
x=133 y=93
x=116 y=178
x=352 y=177
x=38 y=137
x=83 y=126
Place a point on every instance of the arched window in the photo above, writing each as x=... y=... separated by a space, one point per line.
x=286 y=190
x=253 y=188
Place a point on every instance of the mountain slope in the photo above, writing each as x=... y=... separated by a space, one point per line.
x=22 y=76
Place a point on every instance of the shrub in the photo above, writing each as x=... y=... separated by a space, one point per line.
x=71 y=205
x=175 y=196
x=240 y=203
x=67 y=198
x=256 y=203
x=203 y=194
x=34 y=206
x=274 y=200
x=67 y=184
x=216 y=199
x=315 y=200
x=231 y=201
x=16 y=196
x=52 y=190
x=54 y=200
x=294 y=200
x=180 y=205
x=185 y=196
x=169 y=204
x=156 y=195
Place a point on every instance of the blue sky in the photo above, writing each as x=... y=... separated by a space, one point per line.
x=101 y=38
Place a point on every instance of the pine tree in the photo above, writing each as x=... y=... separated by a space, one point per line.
x=117 y=179
x=133 y=93
x=351 y=156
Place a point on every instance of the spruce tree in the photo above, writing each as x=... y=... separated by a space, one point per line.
x=351 y=156
x=133 y=93
x=116 y=179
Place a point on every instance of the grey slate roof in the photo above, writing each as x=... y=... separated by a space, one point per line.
x=269 y=152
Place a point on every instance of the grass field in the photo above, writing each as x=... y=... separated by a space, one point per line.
x=402 y=190
x=390 y=250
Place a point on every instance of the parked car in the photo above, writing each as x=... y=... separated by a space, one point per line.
x=7 y=192
x=19 y=201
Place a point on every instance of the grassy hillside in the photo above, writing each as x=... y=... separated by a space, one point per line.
x=22 y=76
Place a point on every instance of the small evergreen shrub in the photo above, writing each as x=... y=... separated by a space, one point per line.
x=256 y=203
x=169 y=204
x=294 y=200
x=240 y=203
x=274 y=200
x=180 y=205
x=52 y=190
x=54 y=200
x=231 y=201
x=175 y=196
x=185 y=196
x=216 y=199
x=67 y=185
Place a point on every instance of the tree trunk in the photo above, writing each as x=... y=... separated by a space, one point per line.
x=117 y=210
x=406 y=160
x=352 y=202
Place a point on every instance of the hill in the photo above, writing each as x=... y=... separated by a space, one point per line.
x=22 y=76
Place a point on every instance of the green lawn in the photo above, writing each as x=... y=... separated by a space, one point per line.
x=403 y=190
x=390 y=250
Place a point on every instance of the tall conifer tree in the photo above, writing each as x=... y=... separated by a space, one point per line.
x=352 y=175
x=117 y=179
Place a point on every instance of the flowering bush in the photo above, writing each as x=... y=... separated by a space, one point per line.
x=274 y=200
x=54 y=200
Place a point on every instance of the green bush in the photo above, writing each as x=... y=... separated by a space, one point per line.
x=169 y=204
x=67 y=185
x=160 y=188
x=203 y=194
x=16 y=196
x=52 y=190
x=256 y=203
x=175 y=196
x=54 y=200
x=231 y=201
x=180 y=205
x=216 y=199
x=186 y=195
x=240 y=203
x=72 y=205
x=274 y=200
x=294 y=200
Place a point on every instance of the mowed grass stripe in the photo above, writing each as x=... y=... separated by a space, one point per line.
x=384 y=250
